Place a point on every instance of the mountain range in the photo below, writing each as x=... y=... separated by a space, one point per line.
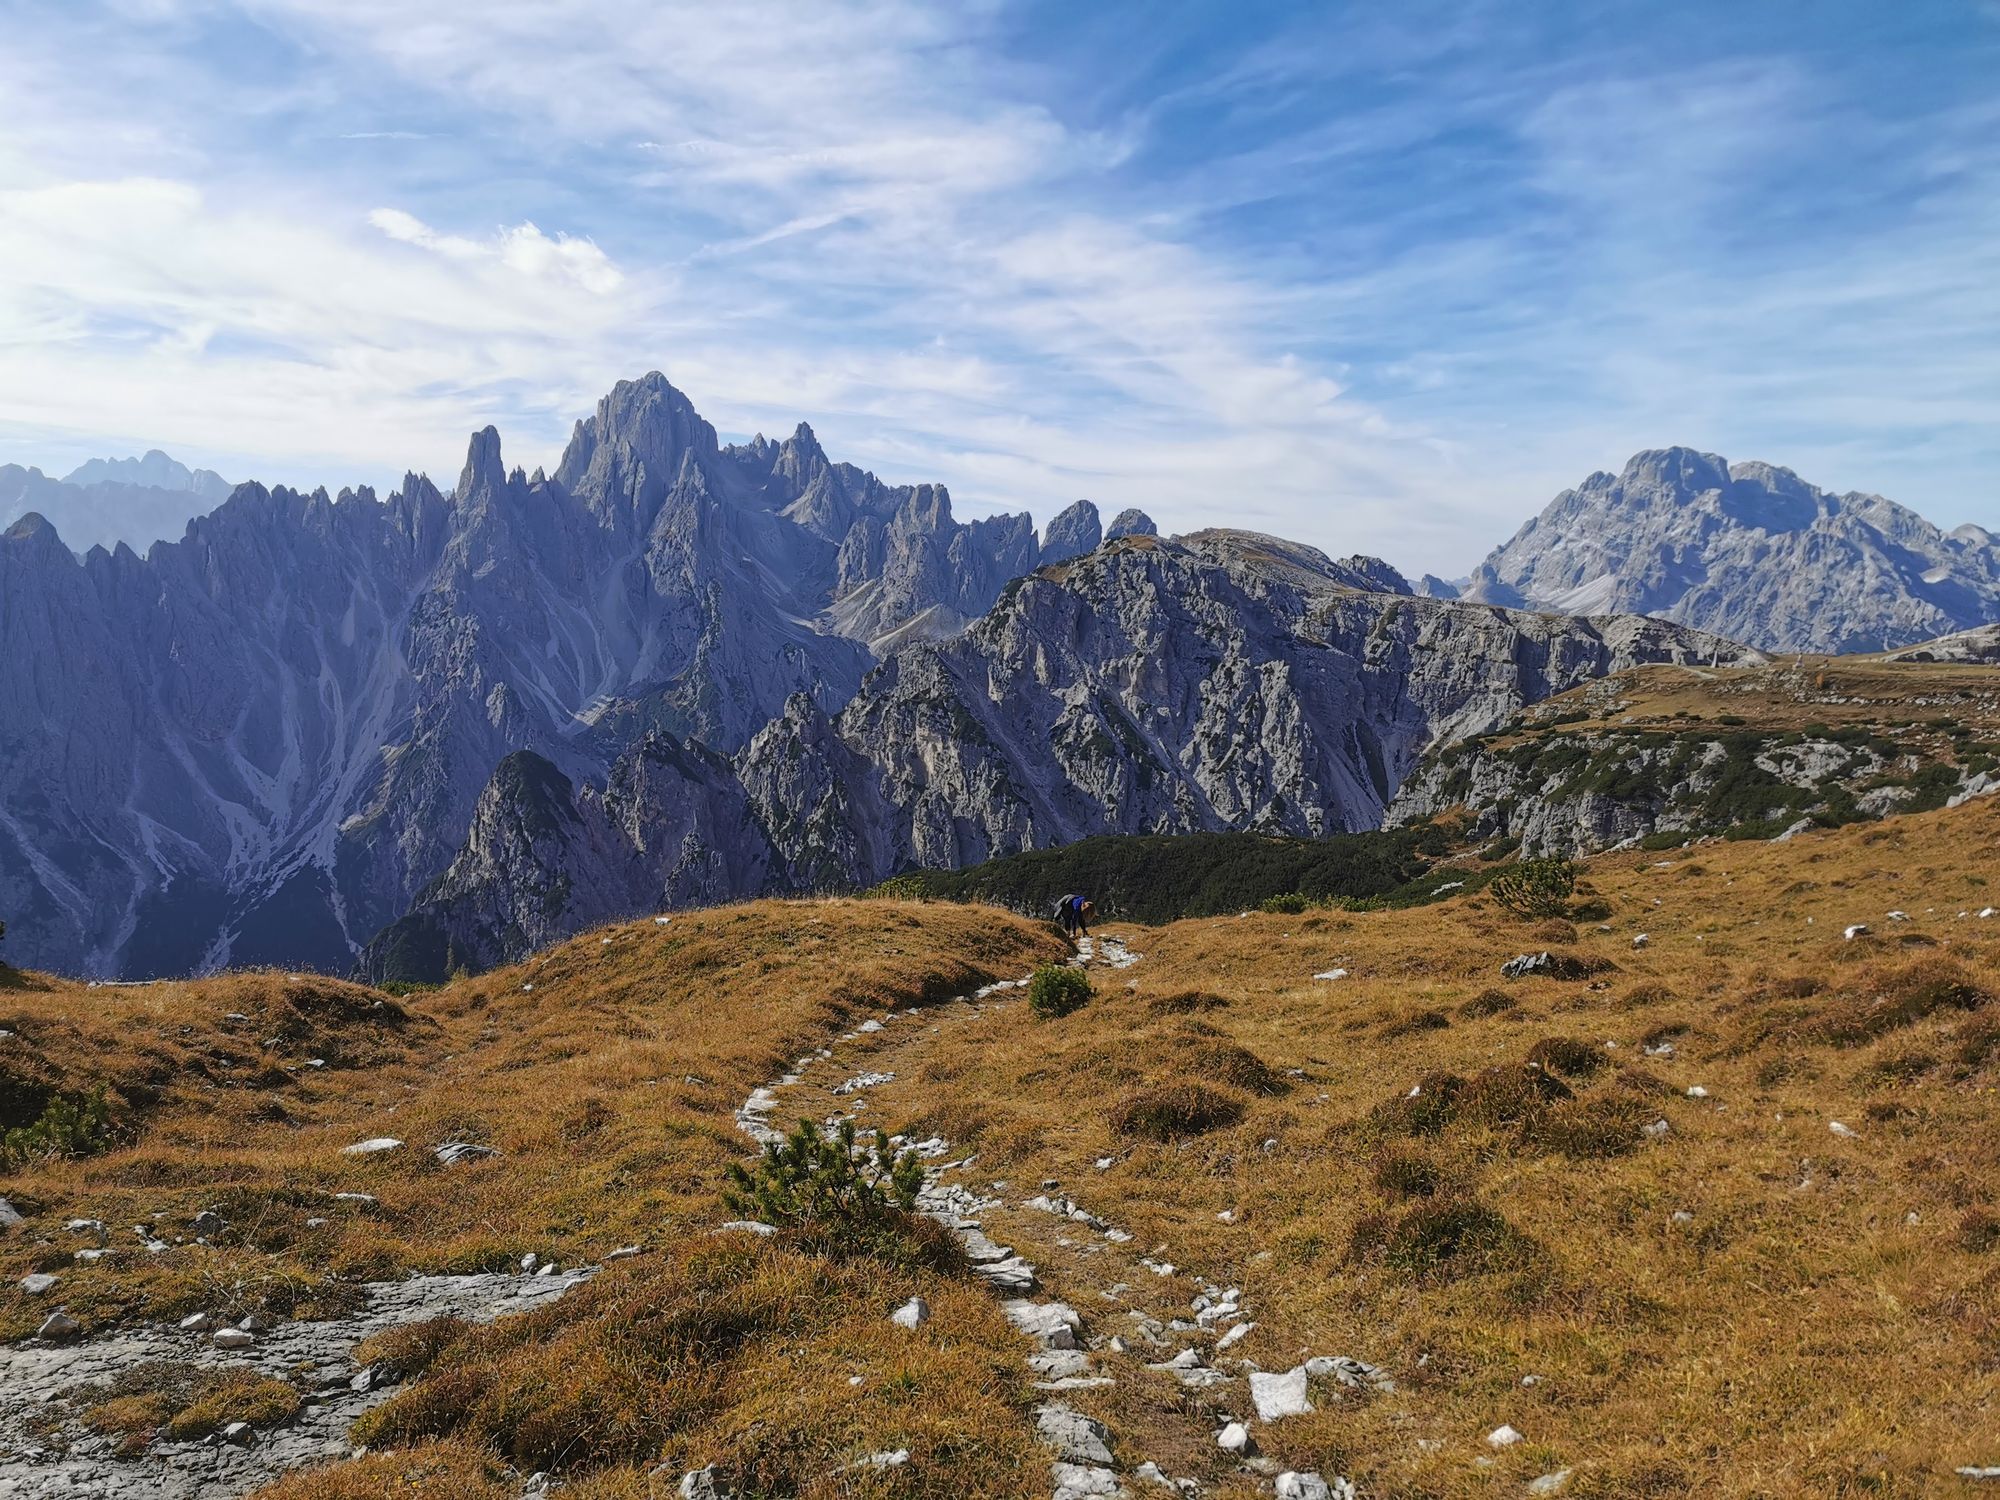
x=108 y=500
x=1750 y=551
x=444 y=727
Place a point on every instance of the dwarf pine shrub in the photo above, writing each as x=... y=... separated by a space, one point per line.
x=1056 y=990
x=815 y=1181
x=1535 y=889
x=71 y=1125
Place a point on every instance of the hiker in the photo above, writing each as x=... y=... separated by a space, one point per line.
x=1073 y=915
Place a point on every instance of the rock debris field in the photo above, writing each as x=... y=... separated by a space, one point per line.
x=46 y=1452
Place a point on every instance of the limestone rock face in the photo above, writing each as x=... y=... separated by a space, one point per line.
x=1221 y=681
x=1749 y=551
x=259 y=742
x=1072 y=533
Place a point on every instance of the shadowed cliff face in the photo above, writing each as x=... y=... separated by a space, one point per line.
x=256 y=744
x=1749 y=551
x=1224 y=681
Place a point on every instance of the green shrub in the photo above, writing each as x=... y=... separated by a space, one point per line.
x=1056 y=990
x=1979 y=1230
x=1288 y=905
x=1408 y=1175
x=1591 y=1129
x=1535 y=888
x=1425 y=1110
x=1415 y=1023
x=826 y=1185
x=899 y=888
x=71 y=1125
x=1236 y=1066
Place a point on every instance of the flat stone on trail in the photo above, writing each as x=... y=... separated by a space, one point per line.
x=1352 y=1373
x=1059 y=1364
x=979 y=1249
x=1229 y=1339
x=1051 y=1324
x=1280 y=1395
x=373 y=1146
x=1010 y=1275
x=232 y=1338
x=1079 y=1439
x=1082 y=1481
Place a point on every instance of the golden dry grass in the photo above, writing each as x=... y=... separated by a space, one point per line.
x=606 y=1071
x=1825 y=1320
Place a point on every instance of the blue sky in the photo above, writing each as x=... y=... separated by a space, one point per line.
x=1381 y=278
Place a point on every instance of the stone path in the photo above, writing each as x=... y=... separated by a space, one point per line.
x=46 y=1452
x=1184 y=1339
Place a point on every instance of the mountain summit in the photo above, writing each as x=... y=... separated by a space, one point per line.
x=1749 y=551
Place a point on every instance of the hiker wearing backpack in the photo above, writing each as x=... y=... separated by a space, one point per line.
x=1073 y=915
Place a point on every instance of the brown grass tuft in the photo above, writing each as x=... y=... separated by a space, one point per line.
x=1173 y=1111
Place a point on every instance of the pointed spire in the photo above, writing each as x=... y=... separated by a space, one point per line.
x=483 y=469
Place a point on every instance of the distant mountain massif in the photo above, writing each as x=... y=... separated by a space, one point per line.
x=110 y=500
x=442 y=728
x=1749 y=551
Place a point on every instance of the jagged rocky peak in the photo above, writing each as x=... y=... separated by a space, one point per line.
x=1130 y=523
x=624 y=458
x=1072 y=533
x=483 y=471
x=1377 y=575
x=1747 y=550
x=1430 y=586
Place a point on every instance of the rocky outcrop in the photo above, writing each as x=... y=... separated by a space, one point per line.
x=671 y=827
x=1072 y=533
x=1130 y=523
x=1589 y=790
x=257 y=743
x=1749 y=551
x=1980 y=646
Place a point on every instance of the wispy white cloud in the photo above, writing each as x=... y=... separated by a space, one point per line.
x=522 y=248
x=1383 y=284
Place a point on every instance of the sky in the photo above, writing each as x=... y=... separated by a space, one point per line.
x=1380 y=278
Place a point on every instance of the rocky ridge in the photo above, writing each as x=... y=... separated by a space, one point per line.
x=1219 y=681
